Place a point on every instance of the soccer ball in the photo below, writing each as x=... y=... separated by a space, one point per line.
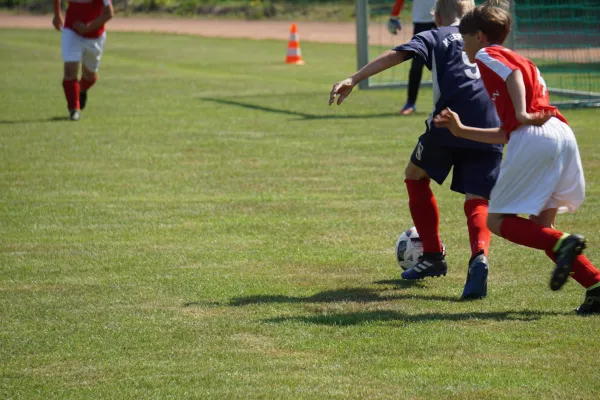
x=408 y=248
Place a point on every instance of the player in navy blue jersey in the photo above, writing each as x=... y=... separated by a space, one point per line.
x=456 y=84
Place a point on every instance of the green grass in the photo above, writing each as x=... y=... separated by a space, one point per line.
x=211 y=229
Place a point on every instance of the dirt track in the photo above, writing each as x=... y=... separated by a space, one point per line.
x=325 y=32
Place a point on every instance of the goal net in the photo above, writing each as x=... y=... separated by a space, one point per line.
x=561 y=36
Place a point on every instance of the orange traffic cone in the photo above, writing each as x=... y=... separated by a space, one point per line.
x=294 y=55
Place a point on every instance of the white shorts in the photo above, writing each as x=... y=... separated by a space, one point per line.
x=541 y=169
x=76 y=48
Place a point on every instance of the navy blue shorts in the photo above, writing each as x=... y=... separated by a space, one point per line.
x=475 y=170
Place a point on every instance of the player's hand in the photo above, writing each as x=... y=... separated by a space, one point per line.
x=393 y=25
x=80 y=27
x=450 y=120
x=57 y=21
x=536 y=119
x=342 y=90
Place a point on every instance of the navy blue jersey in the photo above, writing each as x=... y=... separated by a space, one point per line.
x=456 y=84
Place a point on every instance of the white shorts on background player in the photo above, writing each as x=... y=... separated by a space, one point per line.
x=76 y=48
x=541 y=169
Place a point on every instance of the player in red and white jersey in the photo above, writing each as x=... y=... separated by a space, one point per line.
x=83 y=38
x=496 y=64
x=541 y=173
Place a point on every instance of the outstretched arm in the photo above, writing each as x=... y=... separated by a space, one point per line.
x=386 y=60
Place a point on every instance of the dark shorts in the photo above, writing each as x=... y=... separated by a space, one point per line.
x=475 y=170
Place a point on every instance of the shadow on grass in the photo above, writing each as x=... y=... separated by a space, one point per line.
x=301 y=115
x=400 y=283
x=365 y=317
x=31 y=121
x=358 y=295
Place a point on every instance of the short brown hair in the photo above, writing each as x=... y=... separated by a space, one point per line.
x=493 y=20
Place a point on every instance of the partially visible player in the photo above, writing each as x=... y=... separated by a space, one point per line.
x=475 y=165
x=82 y=41
x=541 y=174
x=422 y=19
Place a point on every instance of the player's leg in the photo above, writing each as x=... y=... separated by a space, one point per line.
x=428 y=161
x=92 y=54
x=71 y=52
x=475 y=173
x=527 y=185
x=583 y=271
x=88 y=78
x=476 y=211
x=569 y=194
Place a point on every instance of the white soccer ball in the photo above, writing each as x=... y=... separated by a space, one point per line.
x=408 y=248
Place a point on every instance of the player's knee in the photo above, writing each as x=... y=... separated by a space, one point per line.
x=71 y=70
x=414 y=173
x=494 y=221
x=89 y=74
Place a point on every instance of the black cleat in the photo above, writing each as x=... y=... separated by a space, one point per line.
x=74 y=115
x=591 y=304
x=426 y=267
x=477 y=274
x=571 y=247
x=82 y=99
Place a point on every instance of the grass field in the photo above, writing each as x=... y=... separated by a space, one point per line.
x=211 y=229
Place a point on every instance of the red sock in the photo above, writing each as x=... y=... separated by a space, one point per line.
x=583 y=271
x=528 y=233
x=71 y=88
x=85 y=84
x=476 y=211
x=425 y=214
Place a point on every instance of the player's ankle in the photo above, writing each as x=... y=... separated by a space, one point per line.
x=433 y=256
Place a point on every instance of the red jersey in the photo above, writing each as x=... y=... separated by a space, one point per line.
x=496 y=63
x=85 y=11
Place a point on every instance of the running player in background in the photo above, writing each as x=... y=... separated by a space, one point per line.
x=422 y=21
x=475 y=165
x=82 y=41
x=540 y=183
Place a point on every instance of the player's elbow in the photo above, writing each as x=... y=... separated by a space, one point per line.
x=109 y=13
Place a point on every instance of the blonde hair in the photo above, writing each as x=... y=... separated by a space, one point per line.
x=453 y=9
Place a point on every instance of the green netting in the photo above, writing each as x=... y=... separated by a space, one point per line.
x=561 y=36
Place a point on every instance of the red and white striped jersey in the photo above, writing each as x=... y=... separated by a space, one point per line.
x=496 y=63
x=85 y=11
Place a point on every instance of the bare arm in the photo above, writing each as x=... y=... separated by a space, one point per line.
x=449 y=119
x=57 y=21
x=516 y=89
x=381 y=63
x=107 y=14
x=386 y=60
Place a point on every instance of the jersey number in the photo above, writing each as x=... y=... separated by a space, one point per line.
x=472 y=72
